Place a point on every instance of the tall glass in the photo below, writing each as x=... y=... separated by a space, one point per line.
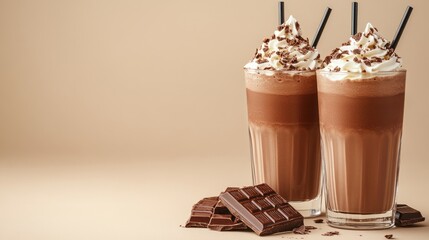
x=361 y=125
x=284 y=135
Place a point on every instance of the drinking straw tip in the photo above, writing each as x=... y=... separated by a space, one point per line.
x=321 y=27
x=354 y=17
x=281 y=12
x=401 y=27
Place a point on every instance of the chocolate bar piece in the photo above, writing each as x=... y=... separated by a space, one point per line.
x=211 y=213
x=262 y=209
x=223 y=220
x=202 y=212
x=406 y=215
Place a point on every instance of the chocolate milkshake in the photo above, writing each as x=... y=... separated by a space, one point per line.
x=361 y=106
x=283 y=117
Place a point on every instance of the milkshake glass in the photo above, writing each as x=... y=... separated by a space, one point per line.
x=361 y=116
x=283 y=118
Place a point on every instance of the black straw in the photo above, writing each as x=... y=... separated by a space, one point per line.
x=281 y=12
x=321 y=27
x=401 y=27
x=354 y=17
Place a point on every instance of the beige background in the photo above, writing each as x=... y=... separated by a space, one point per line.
x=110 y=110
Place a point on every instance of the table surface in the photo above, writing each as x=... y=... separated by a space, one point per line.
x=135 y=198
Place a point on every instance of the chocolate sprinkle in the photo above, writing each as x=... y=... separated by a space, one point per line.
x=389 y=236
x=265 y=49
x=327 y=59
x=357 y=36
x=357 y=51
x=287 y=29
x=297 y=25
x=376 y=59
x=367 y=62
x=346 y=43
x=259 y=61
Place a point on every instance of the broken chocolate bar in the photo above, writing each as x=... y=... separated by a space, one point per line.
x=211 y=213
x=223 y=220
x=202 y=212
x=262 y=209
x=406 y=215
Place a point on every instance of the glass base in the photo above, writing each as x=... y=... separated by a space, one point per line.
x=308 y=209
x=361 y=221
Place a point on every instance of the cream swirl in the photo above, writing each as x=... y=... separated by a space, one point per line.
x=365 y=52
x=286 y=50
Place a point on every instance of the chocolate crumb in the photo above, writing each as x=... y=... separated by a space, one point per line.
x=266 y=40
x=356 y=60
x=389 y=236
x=320 y=220
x=297 y=25
x=337 y=69
x=279 y=28
x=303 y=229
x=300 y=230
x=333 y=233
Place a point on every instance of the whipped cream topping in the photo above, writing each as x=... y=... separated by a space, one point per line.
x=286 y=50
x=365 y=52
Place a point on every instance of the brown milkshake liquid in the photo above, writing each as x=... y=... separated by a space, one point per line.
x=361 y=127
x=283 y=125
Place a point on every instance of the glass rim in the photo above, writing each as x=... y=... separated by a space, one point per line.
x=278 y=71
x=323 y=71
